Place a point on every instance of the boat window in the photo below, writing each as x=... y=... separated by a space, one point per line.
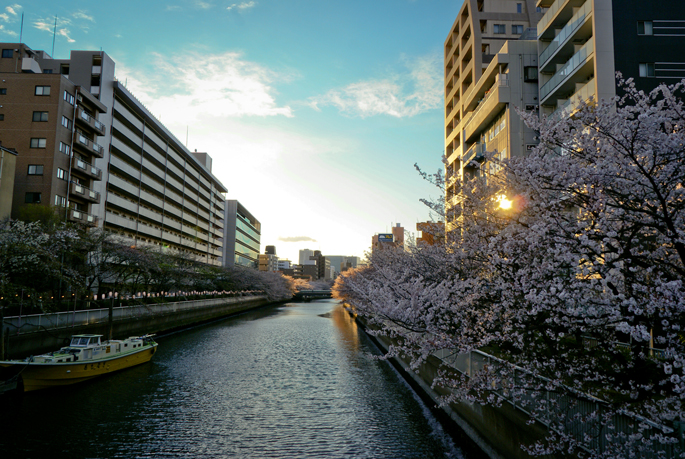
x=83 y=341
x=95 y=340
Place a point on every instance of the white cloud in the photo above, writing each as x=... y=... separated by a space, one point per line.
x=400 y=95
x=203 y=5
x=13 y=9
x=219 y=85
x=82 y=15
x=242 y=6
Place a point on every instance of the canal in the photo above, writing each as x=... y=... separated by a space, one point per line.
x=290 y=381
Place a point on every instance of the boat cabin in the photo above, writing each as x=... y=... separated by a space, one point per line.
x=85 y=340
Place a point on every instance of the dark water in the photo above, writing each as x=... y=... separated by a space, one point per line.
x=294 y=381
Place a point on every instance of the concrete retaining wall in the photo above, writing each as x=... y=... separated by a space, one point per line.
x=46 y=340
x=498 y=432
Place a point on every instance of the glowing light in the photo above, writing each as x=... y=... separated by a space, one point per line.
x=504 y=203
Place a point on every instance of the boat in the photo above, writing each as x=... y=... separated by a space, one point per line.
x=85 y=357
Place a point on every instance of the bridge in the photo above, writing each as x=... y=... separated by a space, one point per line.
x=308 y=295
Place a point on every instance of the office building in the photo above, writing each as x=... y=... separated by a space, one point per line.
x=305 y=257
x=104 y=157
x=242 y=234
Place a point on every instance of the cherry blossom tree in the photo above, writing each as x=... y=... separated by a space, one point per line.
x=575 y=286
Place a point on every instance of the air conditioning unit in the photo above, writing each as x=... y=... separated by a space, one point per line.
x=531 y=107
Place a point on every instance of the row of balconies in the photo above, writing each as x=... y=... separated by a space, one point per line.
x=84 y=142
x=87 y=120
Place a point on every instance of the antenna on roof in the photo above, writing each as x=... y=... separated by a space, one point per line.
x=21 y=28
x=54 y=34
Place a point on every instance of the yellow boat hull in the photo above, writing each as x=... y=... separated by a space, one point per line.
x=35 y=376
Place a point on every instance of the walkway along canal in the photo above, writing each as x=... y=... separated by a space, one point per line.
x=285 y=381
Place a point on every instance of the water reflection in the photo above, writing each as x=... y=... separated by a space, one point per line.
x=285 y=382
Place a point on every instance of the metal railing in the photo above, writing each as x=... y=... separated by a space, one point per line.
x=575 y=408
x=39 y=322
x=501 y=81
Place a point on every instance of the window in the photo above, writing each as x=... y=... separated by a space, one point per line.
x=530 y=74
x=647 y=69
x=3 y=91
x=644 y=27
x=35 y=169
x=68 y=97
x=500 y=28
x=66 y=122
x=2 y=117
x=32 y=198
x=47 y=70
x=40 y=116
x=65 y=148
x=42 y=90
x=60 y=201
x=519 y=7
x=37 y=143
x=517 y=29
x=7 y=53
x=61 y=173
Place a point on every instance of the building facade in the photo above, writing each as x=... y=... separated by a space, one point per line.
x=8 y=161
x=105 y=158
x=242 y=235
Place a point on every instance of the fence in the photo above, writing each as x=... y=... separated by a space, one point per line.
x=37 y=322
x=578 y=409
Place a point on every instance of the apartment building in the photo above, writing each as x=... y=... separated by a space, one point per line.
x=8 y=162
x=95 y=150
x=477 y=106
x=54 y=123
x=583 y=43
x=242 y=234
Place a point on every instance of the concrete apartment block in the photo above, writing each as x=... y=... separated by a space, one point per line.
x=242 y=234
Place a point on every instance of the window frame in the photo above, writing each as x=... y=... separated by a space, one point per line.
x=499 y=29
x=11 y=53
x=642 y=28
x=36 y=142
x=646 y=69
x=40 y=90
x=40 y=117
x=66 y=122
x=61 y=173
x=35 y=169
x=65 y=148
x=520 y=26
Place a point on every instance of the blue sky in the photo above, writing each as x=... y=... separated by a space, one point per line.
x=314 y=112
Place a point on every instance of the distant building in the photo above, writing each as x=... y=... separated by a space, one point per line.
x=268 y=262
x=242 y=234
x=306 y=257
x=8 y=159
x=284 y=264
x=393 y=239
x=270 y=250
x=341 y=263
x=432 y=233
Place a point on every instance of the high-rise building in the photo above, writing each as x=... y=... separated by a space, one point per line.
x=93 y=149
x=305 y=257
x=242 y=234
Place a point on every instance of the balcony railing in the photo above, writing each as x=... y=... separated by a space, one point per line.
x=475 y=153
x=87 y=193
x=570 y=105
x=567 y=32
x=82 y=217
x=94 y=147
x=91 y=121
x=571 y=65
x=501 y=80
x=547 y=18
x=88 y=168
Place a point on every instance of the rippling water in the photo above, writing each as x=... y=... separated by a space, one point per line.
x=293 y=381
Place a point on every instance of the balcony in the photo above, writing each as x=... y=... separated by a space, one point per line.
x=489 y=107
x=571 y=67
x=90 y=145
x=568 y=107
x=90 y=170
x=558 y=14
x=78 y=216
x=563 y=38
x=86 y=193
x=87 y=120
x=29 y=65
x=474 y=156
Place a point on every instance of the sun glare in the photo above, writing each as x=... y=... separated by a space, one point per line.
x=504 y=203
